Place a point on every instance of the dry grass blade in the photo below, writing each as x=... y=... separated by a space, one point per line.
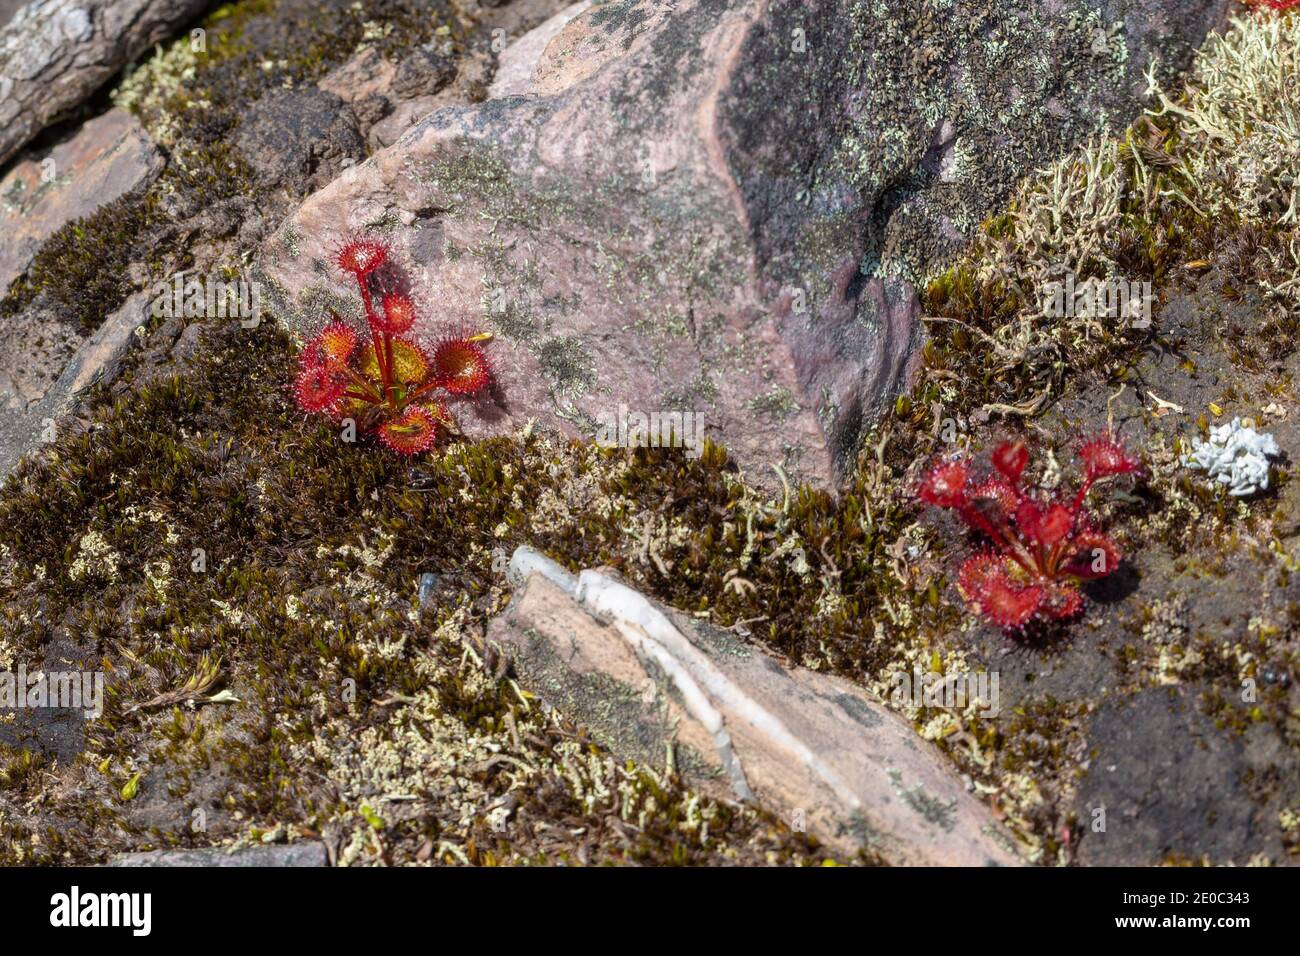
x=196 y=688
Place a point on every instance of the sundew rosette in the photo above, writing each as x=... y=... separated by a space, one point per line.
x=1038 y=546
x=381 y=376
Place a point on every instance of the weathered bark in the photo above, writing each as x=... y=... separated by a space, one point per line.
x=55 y=53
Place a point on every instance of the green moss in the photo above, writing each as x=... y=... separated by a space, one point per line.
x=312 y=548
x=83 y=268
x=19 y=768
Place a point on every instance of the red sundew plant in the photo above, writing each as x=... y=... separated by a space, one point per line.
x=1279 y=5
x=1041 y=545
x=389 y=385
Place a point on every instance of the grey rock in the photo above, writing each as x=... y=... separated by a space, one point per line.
x=55 y=53
x=8 y=8
x=370 y=111
x=30 y=421
x=648 y=681
x=42 y=345
x=423 y=72
x=1172 y=786
x=299 y=139
x=305 y=853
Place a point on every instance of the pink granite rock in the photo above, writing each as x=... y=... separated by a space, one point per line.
x=723 y=207
x=106 y=158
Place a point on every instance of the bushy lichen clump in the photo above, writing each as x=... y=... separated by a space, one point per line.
x=1240 y=131
x=1236 y=455
x=1158 y=205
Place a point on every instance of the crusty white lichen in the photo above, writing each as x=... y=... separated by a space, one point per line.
x=1236 y=455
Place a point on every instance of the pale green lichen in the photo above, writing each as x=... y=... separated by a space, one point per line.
x=95 y=559
x=1240 y=122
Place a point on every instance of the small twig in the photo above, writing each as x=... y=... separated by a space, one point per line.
x=970 y=328
x=514 y=730
x=785 y=485
x=830 y=562
x=1110 y=411
x=1026 y=409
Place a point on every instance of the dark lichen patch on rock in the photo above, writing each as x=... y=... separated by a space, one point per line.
x=621 y=16
x=639 y=729
x=676 y=49
x=950 y=103
x=567 y=364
